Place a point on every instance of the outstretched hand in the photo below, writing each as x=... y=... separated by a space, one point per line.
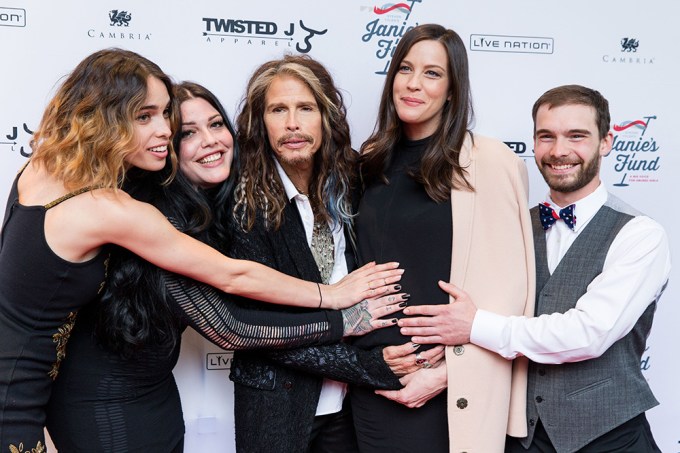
x=441 y=324
x=367 y=315
x=369 y=281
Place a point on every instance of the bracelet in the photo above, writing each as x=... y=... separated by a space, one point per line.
x=320 y=296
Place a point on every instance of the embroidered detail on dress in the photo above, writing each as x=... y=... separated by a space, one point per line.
x=61 y=338
x=106 y=274
x=40 y=448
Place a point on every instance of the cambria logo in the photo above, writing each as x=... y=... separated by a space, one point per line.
x=120 y=18
x=629 y=45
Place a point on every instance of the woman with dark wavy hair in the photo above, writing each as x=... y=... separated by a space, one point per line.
x=122 y=349
x=448 y=205
x=109 y=124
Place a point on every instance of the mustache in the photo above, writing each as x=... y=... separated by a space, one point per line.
x=297 y=136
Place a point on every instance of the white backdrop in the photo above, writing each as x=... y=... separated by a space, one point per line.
x=626 y=49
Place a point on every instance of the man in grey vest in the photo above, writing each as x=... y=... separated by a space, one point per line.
x=601 y=267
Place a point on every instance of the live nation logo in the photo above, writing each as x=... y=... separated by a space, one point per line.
x=512 y=44
x=387 y=25
x=294 y=34
x=219 y=360
x=636 y=154
x=12 y=17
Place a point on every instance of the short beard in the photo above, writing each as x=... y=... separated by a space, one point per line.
x=589 y=170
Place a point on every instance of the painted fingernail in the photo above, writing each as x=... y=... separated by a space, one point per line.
x=415 y=345
x=405 y=296
x=402 y=305
x=397 y=287
x=394 y=321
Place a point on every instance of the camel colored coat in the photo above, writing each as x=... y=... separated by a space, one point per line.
x=492 y=260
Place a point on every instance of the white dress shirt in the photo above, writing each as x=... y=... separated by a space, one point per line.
x=332 y=392
x=635 y=271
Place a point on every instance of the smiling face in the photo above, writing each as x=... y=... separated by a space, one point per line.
x=421 y=88
x=152 y=128
x=568 y=150
x=206 y=147
x=293 y=123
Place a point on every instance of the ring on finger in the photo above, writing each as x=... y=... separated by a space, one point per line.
x=422 y=362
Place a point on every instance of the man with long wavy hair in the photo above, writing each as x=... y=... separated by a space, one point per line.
x=293 y=212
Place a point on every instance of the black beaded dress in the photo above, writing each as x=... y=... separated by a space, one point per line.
x=399 y=222
x=40 y=295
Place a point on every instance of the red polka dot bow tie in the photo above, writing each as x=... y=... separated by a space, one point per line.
x=549 y=216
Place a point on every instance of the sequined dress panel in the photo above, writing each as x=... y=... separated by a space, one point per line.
x=40 y=294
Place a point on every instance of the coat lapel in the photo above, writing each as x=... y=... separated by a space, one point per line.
x=292 y=236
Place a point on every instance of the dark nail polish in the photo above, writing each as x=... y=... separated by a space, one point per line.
x=402 y=305
x=397 y=287
x=405 y=296
x=394 y=321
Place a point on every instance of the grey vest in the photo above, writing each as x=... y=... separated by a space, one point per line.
x=580 y=401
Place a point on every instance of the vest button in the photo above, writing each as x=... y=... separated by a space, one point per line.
x=287 y=385
x=462 y=403
x=541 y=372
x=532 y=422
x=539 y=399
x=459 y=350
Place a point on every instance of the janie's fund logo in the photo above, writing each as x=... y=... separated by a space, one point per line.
x=636 y=153
x=388 y=24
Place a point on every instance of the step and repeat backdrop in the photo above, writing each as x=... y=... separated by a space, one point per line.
x=625 y=49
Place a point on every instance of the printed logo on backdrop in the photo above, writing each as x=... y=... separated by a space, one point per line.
x=628 y=53
x=12 y=141
x=117 y=27
x=12 y=17
x=294 y=35
x=387 y=25
x=520 y=148
x=219 y=360
x=636 y=155
x=512 y=44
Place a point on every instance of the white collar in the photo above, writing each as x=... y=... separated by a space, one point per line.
x=288 y=186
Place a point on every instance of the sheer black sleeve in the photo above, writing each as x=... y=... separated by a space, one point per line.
x=223 y=321
x=341 y=362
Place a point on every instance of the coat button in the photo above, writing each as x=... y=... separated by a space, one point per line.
x=532 y=422
x=459 y=350
x=539 y=399
x=287 y=385
x=462 y=403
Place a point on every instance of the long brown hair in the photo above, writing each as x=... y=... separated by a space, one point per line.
x=259 y=187
x=440 y=169
x=87 y=129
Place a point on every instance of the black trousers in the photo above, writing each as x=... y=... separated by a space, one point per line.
x=334 y=433
x=634 y=436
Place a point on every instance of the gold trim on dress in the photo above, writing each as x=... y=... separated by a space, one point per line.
x=40 y=448
x=61 y=338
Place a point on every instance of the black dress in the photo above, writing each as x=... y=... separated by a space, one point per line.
x=400 y=222
x=40 y=295
x=102 y=402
